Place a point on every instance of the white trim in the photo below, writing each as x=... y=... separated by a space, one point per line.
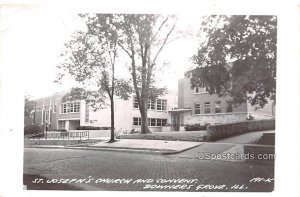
x=61 y=119
x=214 y=114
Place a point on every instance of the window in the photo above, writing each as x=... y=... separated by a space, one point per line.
x=229 y=106
x=54 y=107
x=207 y=107
x=64 y=108
x=218 y=106
x=163 y=122
x=73 y=107
x=77 y=106
x=135 y=102
x=161 y=104
x=87 y=113
x=137 y=121
x=151 y=104
x=47 y=116
x=157 y=122
x=62 y=124
x=197 y=108
x=198 y=90
x=152 y=122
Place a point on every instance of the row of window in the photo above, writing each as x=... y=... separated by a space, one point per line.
x=72 y=107
x=217 y=107
x=157 y=104
x=198 y=90
x=151 y=121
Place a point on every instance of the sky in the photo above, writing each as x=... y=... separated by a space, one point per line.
x=34 y=38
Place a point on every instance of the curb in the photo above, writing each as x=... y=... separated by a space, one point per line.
x=118 y=149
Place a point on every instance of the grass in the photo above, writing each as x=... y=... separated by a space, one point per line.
x=195 y=136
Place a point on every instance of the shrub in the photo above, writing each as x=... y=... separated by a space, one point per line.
x=92 y=128
x=195 y=127
x=220 y=131
x=32 y=129
x=59 y=130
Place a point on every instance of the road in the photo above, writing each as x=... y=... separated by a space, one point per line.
x=95 y=169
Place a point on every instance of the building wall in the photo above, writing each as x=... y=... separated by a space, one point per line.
x=187 y=99
x=124 y=114
x=215 y=118
x=267 y=112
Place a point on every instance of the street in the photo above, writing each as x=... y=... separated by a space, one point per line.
x=66 y=169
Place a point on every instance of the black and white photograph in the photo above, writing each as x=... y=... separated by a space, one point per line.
x=146 y=101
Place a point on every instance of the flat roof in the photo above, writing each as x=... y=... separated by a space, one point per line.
x=179 y=110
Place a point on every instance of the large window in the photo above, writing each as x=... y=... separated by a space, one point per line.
x=197 y=108
x=73 y=107
x=158 y=104
x=218 y=107
x=151 y=122
x=151 y=104
x=157 y=122
x=161 y=104
x=207 y=107
x=137 y=121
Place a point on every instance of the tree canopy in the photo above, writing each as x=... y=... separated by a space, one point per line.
x=237 y=58
x=141 y=37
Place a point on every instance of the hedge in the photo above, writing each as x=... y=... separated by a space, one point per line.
x=92 y=128
x=220 y=131
x=32 y=129
x=195 y=127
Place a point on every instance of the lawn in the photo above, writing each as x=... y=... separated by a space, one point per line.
x=195 y=136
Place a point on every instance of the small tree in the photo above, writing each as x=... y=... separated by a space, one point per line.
x=142 y=37
x=91 y=60
x=238 y=58
x=28 y=106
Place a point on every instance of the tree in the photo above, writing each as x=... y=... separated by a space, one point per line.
x=91 y=60
x=238 y=58
x=142 y=37
x=28 y=106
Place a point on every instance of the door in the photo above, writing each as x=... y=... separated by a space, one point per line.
x=175 y=121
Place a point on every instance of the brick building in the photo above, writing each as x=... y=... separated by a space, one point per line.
x=196 y=106
x=50 y=112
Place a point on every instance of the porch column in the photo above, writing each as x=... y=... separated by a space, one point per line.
x=67 y=127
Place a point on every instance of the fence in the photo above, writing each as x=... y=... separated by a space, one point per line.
x=62 y=135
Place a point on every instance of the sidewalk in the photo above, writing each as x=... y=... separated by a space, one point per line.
x=246 y=138
x=231 y=144
x=131 y=145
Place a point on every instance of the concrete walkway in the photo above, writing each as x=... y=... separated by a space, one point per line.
x=157 y=145
x=246 y=138
x=229 y=145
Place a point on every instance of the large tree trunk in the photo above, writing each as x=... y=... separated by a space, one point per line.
x=144 y=118
x=112 y=122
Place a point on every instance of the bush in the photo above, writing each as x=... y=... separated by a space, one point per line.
x=92 y=128
x=59 y=130
x=220 y=131
x=195 y=127
x=32 y=129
